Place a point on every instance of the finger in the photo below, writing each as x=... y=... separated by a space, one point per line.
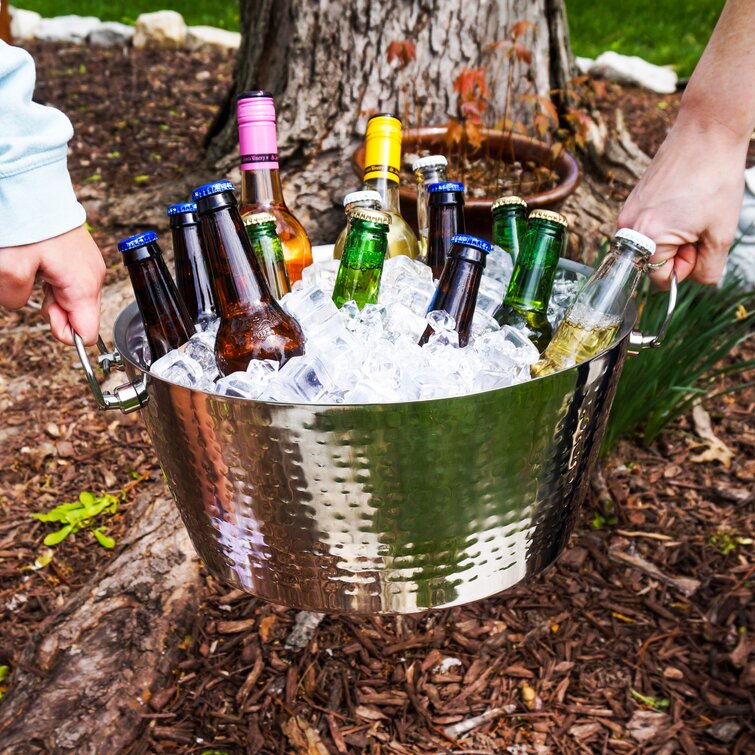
x=57 y=317
x=661 y=276
x=710 y=263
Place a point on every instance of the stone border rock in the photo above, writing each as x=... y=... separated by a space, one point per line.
x=165 y=29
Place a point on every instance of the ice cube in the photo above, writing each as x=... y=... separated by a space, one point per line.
x=201 y=348
x=372 y=320
x=483 y=323
x=417 y=297
x=322 y=274
x=301 y=379
x=402 y=321
x=499 y=265
x=209 y=324
x=368 y=391
x=177 y=367
x=309 y=306
x=240 y=385
x=490 y=295
x=402 y=271
x=439 y=320
x=350 y=315
x=442 y=340
x=565 y=289
x=262 y=369
x=521 y=348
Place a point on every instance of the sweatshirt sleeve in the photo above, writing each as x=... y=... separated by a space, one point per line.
x=37 y=200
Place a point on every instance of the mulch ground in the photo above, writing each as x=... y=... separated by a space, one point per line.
x=638 y=640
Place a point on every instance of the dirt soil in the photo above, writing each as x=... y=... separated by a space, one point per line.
x=639 y=640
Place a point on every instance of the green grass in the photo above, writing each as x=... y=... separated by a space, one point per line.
x=222 y=13
x=665 y=32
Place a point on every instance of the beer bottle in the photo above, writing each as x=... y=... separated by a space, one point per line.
x=446 y=208
x=509 y=224
x=167 y=324
x=427 y=170
x=260 y=227
x=594 y=317
x=382 y=161
x=525 y=305
x=459 y=283
x=261 y=189
x=192 y=279
x=363 y=255
x=252 y=323
x=368 y=200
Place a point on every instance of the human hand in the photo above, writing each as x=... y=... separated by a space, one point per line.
x=71 y=269
x=689 y=201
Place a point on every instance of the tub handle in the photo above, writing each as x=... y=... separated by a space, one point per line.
x=639 y=341
x=128 y=397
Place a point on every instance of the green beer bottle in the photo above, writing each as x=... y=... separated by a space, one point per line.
x=369 y=200
x=509 y=224
x=525 y=305
x=260 y=227
x=363 y=256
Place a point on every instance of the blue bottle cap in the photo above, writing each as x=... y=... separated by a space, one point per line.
x=445 y=186
x=473 y=241
x=134 y=242
x=177 y=209
x=207 y=190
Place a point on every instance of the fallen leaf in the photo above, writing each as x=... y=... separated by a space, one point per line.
x=368 y=713
x=303 y=738
x=266 y=627
x=714 y=448
x=645 y=725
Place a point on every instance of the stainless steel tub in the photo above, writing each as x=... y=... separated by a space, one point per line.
x=391 y=508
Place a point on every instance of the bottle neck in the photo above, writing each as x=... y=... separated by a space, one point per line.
x=535 y=269
x=427 y=176
x=388 y=190
x=239 y=282
x=262 y=186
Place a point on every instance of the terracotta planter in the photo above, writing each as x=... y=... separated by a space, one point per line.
x=477 y=211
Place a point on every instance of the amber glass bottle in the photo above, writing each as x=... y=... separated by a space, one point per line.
x=459 y=284
x=252 y=323
x=192 y=278
x=167 y=324
x=446 y=210
x=261 y=189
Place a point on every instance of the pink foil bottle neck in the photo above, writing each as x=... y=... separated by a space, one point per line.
x=258 y=139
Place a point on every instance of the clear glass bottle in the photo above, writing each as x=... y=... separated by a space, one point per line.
x=525 y=305
x=261 y=189
x=509 y=224
x=363 y=256
x=591 y=322
x=382 y=163
x=367 y=200
x=427 y=170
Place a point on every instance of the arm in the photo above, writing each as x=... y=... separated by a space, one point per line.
x=41 y=232
x=689 y=199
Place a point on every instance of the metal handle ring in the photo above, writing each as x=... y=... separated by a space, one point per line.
x=128 y=397
x=638 y=341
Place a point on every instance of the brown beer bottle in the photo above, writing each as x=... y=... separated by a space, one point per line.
x=446 y=218
x=252 y=323
x=166 y=322
x=192 y=278
x=459 y=285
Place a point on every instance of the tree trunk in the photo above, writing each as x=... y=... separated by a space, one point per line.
x=85 y=681
x=327 y=65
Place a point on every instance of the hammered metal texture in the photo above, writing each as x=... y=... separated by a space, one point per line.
x=384 y=508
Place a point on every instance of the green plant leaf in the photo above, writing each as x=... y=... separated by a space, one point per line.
x=55 y=538
x=4 y=671
x=103 y=539
x=658 y=703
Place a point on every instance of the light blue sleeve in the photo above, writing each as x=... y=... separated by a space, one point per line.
x=37 y=200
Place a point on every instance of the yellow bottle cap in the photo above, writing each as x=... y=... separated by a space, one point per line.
x=382 y=153
x=373 y=216
x=258 y=218
x=554 y=217
x=510 y=200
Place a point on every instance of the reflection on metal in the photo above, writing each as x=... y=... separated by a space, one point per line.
x=390 y=508
x=639 y=341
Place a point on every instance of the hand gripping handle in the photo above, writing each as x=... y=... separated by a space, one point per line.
x=128 y=397
x=639 y=341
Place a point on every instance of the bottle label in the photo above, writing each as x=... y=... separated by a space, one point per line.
x=258 y=145
x=382 y=150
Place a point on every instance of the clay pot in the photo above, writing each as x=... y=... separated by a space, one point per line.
x=477 y=211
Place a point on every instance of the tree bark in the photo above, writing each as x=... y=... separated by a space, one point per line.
x=85 y=680
x=326 y=64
